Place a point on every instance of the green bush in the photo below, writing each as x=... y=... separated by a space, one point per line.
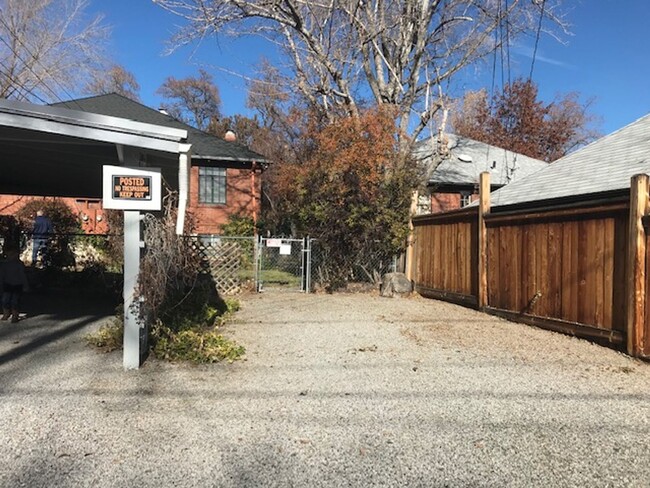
x=188 y=332
x=238 y=226
x=195 y=344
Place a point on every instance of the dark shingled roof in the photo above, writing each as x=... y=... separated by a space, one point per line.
x=204 y=145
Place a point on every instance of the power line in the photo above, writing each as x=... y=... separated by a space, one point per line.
x=30 y=53
x=28 y=66
x=16 y=84
x=539 y=29
x=508 y=40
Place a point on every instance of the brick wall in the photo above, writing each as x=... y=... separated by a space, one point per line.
x=241 y=199
x=443 y=202
x=90 y=212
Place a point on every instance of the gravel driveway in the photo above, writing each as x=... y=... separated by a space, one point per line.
x=336 y=390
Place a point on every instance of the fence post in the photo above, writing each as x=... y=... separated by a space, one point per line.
x=483 y=209
x=635 y=269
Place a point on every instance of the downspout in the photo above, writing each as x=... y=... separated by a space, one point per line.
x=254 y=197
x=184 y=163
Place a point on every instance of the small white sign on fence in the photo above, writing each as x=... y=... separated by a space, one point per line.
x=274 y=243
x=285 y=249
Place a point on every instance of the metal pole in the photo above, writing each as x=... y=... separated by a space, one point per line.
x=258 y=264
x=308 y=264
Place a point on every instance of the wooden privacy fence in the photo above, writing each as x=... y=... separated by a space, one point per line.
x=582 y=270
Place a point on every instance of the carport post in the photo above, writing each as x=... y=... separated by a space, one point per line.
x=132 y=245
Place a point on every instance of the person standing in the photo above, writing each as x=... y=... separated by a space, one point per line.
x=14 y=282
x=40 y=234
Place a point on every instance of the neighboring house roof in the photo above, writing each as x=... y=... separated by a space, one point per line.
x=605 y=165
x=465 y=159
x=204 y=146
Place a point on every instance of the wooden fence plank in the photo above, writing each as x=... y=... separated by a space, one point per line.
x=608 y=272
x=583 y=265
x=568 y=278
x=599 y=297
x=575 y=275
x=554 y=269
x=504 y=271
x=493 y=266
x=541 y=270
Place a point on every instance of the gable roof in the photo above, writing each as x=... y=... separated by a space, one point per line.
x=204 y=146
x=605 y=165
x=467 y=158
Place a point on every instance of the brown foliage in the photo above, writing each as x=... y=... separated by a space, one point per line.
x=516 y=120
x=193 y=100
x=116 y=79
x=352 y=190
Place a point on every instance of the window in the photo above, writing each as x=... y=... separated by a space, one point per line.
x=465 y=198
x=212 y=185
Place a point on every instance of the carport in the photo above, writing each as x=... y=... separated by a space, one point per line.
x=52 y=151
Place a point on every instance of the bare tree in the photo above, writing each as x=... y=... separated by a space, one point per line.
x=399 y=52
x=194 y=101
x=47 y=47
x=116 y=79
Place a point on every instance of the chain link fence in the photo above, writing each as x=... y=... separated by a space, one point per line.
x=367 y=267
x=235 y=264
x=283 y=264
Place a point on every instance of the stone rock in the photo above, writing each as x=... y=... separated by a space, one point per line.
x=395 y=284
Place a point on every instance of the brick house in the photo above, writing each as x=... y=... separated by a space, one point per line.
x=453 y=165
x=225 y=176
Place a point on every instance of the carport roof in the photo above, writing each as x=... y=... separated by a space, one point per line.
x=55 y=151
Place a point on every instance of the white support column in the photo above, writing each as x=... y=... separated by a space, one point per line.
x=131 y=306
x=184 y=168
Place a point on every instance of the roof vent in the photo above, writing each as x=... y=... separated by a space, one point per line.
x=163 y=111
x=465 y=158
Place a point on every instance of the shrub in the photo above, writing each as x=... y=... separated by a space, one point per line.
x=238 y=226
x=181 y=302
x=194 y=344
x=59 y=253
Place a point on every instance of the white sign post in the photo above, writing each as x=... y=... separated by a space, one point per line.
x=132 y=190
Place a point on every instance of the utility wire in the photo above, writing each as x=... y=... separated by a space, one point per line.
x=16 y=84
x=4 y=23
x=539 y=29
x=508 y=40
x=2 y=39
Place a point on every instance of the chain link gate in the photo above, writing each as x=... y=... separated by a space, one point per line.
x=284 y=264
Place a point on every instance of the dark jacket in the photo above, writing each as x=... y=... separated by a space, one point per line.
x=42 y=227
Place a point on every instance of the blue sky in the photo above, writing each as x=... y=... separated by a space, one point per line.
x=605 y=58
